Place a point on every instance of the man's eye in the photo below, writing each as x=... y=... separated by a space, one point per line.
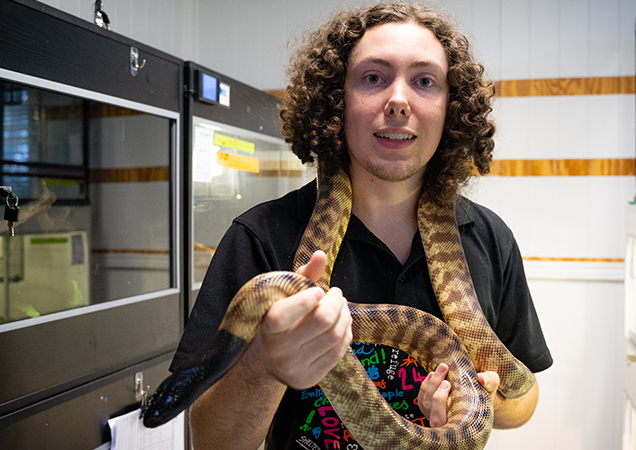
x=425 y=82
x=373 y=79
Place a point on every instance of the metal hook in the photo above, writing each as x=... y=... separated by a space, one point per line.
x=134 y=61
x=140 y=393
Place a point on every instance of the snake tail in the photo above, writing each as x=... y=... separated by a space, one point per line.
x=193 y=378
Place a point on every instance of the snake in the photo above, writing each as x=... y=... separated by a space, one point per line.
x=464 y=340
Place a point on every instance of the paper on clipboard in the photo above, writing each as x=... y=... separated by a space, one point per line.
x=129 y=433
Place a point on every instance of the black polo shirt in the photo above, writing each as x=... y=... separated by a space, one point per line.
x=266 y=237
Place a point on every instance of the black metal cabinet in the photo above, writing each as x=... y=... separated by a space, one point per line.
x=64 y=373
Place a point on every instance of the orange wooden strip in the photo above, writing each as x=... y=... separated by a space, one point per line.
x=130 y=175
x=280 y=93
x=563 y=167
x=567 y=86
x=545 y=258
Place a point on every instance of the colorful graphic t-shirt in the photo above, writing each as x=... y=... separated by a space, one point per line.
x=397 y=376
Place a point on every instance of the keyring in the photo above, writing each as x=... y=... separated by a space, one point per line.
x=10 y=196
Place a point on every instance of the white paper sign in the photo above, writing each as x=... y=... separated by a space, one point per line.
x=128 y=433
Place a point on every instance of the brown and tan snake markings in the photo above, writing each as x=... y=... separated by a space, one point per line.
x=464 y=342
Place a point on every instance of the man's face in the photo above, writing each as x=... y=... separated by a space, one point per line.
x=396 y=96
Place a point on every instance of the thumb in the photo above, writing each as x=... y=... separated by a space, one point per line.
x=489 y=380
x=315 y=267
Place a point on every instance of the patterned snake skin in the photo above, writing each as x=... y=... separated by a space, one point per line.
x=354 y=397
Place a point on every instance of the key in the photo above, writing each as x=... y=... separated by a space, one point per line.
x=11 y=214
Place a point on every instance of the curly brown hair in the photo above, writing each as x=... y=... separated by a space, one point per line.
x=313 y=107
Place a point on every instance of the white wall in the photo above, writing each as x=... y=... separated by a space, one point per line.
x=580 y=302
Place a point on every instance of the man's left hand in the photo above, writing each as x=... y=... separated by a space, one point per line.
x=435 y=389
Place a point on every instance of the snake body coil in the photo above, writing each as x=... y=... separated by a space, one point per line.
x=354 y=397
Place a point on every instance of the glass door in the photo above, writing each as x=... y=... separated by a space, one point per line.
x=90 y=282
x=233 y=170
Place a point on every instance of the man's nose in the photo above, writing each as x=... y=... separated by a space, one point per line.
x=398 y=103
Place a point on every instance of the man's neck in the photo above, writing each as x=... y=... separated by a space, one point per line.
x=389 y=210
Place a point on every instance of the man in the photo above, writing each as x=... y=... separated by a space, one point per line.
x=389 y=94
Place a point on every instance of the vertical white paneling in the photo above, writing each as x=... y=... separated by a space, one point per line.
x=461 y=11
x=573 y=222
x=248 y=63
x=573 y=38
x=568 y=417
x=121 y=17
x=515 y=39
x=604 y=38
x=219 y=46
x=186 y=28
x=273 y=40
x=487 y=41
x=625 y=126
x=574 y=127
x=512 y=138
x=607 y=204
x=154 y=12
x=137 y=21
x=544 y=38
x=543 y=214
x=604 y=121
x=544 y=127
x=515 y=210
x=298 y=17
x=627 y=27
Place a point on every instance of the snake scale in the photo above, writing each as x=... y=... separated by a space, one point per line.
x=465 y=343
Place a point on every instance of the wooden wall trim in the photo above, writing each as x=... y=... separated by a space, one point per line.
x=546 y=258
x=566 y=86
x=562 y=167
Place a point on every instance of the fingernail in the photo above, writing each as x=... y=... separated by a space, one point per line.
x=445 y=384
x=440 y=369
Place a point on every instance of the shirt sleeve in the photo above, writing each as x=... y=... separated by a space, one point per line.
x=239 y=257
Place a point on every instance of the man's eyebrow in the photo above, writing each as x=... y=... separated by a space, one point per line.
x=416 y=64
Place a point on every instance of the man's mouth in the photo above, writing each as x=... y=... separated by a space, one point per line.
x=395 y=136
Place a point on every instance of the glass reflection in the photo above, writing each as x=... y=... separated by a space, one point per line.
x=233 y=170
x=94 y=187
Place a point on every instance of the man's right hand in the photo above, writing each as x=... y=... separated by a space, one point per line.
x=304 y=336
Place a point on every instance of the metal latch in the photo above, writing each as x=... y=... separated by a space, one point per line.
x=140 y=393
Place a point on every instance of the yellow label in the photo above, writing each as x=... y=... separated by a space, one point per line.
x=226 y=141
x=240 y=162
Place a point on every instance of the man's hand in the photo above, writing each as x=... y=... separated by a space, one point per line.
x=435 y=390
x=304 y=336
x=433 y=395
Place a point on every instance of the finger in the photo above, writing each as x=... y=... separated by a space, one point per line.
x=489 y=380
x=429 y=387
x=332 y=329
x=437 y=415
x=322 y=318
x=327 y=360
x=285 y=313
x=438 y=376
x=315 y=267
